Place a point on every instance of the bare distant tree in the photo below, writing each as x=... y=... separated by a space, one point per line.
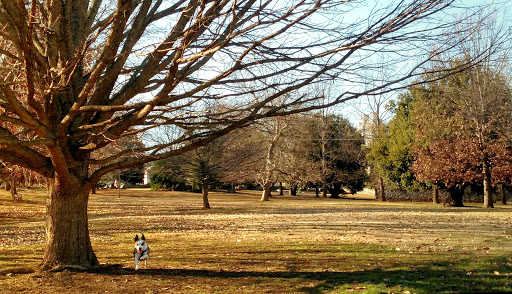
x=295 y=164
x=80 y=74
x=272 y=133
x=242 y=151
x=374 y=115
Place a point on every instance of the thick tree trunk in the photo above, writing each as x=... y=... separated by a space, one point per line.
x=281 y=193
x=488 y=202
x=265 y=195
x=335 y=190
x=317 y=192
x=324 y=190
x=293 y=190
x=206 y=203
x=382 y=189
x=68 y=244
x=435 y=194
x=457 y=194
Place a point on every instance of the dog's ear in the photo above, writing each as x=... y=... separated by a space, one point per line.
x=137 y=238
x=142 y=237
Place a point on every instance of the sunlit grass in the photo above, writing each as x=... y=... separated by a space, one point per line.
x=290 y=244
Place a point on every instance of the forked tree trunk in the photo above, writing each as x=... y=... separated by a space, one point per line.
x=206 y=203
x=293 y=190
x=68 y=244
x=324 y=190
x=488 y=202
x=335 y=190
x=265 y=195
x=268 y=179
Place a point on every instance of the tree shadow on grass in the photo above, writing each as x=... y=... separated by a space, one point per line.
x=434 y=278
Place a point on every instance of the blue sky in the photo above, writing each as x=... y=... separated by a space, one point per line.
x=353 y=110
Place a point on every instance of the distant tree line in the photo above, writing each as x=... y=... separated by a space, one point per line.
x=311 y=150
x=449 y=134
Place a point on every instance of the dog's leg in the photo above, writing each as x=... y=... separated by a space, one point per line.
x=145 y=258
x=137 y=257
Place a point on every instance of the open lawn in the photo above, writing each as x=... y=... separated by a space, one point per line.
x=288 y=245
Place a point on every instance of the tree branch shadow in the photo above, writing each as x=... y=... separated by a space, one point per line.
x=437 y=277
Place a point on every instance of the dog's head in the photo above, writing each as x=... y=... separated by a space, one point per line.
x=140 y=244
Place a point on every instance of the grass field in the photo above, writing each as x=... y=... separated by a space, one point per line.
x=288 y=245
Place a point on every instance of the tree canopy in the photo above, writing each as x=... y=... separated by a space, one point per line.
x=391 y=152
x=337 y=151
x=460 y=135
x=451 y=132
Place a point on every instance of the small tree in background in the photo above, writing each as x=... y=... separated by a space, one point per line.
x=296 y=166
x=337 y=151
x=168 y=174
x=392 y=154
x=241 y=156
x=12 y=176
x=203 y=166
x=272 y=131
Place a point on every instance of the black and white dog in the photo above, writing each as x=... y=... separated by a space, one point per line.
x=141 y=251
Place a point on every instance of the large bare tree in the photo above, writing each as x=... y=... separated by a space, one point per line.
x=77 y=75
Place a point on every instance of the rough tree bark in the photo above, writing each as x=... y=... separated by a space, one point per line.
x=204 y=188
x=68 y=243
x=265 y=194
x=435 y=194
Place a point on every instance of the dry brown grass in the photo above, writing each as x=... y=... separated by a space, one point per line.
x=290 y=244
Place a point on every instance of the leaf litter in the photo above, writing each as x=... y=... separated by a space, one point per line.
x=241 y=234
